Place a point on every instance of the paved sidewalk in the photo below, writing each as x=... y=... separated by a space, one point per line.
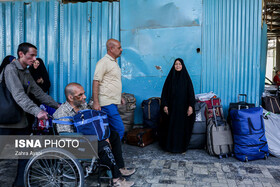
x=156 y=168
x=196 y=168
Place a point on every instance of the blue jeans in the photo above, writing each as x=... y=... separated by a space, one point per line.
x=114 y=118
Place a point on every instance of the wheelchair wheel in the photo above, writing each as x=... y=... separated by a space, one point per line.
x=54 y=167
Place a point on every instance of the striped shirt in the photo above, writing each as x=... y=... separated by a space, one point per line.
x=66 y=110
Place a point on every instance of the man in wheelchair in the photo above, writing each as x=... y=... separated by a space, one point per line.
x=109 y=150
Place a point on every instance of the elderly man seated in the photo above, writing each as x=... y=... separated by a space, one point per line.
x=109 y=150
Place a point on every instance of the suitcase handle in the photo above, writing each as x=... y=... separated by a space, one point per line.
x=214 y=110
x=243 y=103
x=245 y=96
x=252 y=127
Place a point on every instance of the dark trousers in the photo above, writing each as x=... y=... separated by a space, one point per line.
x=111 y=157
x=19 y=181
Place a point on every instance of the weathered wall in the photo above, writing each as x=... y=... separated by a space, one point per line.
x=234 y=49
x=153 y=34
x=70 y=38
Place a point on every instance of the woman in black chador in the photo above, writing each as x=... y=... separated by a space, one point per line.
x=40 y=74
x=177 y=109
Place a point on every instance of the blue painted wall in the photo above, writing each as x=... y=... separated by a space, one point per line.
x=234 y=49
x=153 y=34
x=71 y=39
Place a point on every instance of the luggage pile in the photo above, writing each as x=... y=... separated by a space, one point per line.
x=218 y=133
x=151 y=115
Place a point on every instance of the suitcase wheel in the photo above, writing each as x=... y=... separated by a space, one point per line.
x=265 y=157
x=220 y=156
x=232 y=155
x=246 y=159
x=226 y=155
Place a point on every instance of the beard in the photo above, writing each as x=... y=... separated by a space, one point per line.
x=78 y=104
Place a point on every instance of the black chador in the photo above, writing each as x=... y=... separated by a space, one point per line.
x=178 y=94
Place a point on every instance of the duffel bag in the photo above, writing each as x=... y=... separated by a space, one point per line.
x=249 y=134
x=126 y=111
x=88 y=122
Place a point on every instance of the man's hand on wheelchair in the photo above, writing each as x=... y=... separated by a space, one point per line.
x=43 y=115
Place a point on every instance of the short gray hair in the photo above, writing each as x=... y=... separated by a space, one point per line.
x=69 y=89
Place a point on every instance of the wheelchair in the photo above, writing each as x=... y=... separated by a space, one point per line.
x=59 y=167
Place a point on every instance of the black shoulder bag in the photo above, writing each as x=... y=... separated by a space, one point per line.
x=10 y=111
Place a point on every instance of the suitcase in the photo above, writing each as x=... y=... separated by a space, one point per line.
x=239 y=105
x=249 y=134
x=140 y=137
x=219 y=137
x=271 y=103
x=151 y=112
x=198 y=137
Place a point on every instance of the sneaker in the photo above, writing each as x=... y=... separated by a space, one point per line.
x=121 y=182
x=127 y=172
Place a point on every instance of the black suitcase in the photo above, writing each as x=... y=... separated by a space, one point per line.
x=239 y=105
x=198 y=138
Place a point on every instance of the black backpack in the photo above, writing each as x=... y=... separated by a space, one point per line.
x=10 y=111
x=151 y=112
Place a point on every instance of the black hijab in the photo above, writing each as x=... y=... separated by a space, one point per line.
x=41 y=71
x=8 y=59
x=178 y=84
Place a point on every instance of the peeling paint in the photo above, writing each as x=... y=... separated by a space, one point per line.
x=158 y=68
